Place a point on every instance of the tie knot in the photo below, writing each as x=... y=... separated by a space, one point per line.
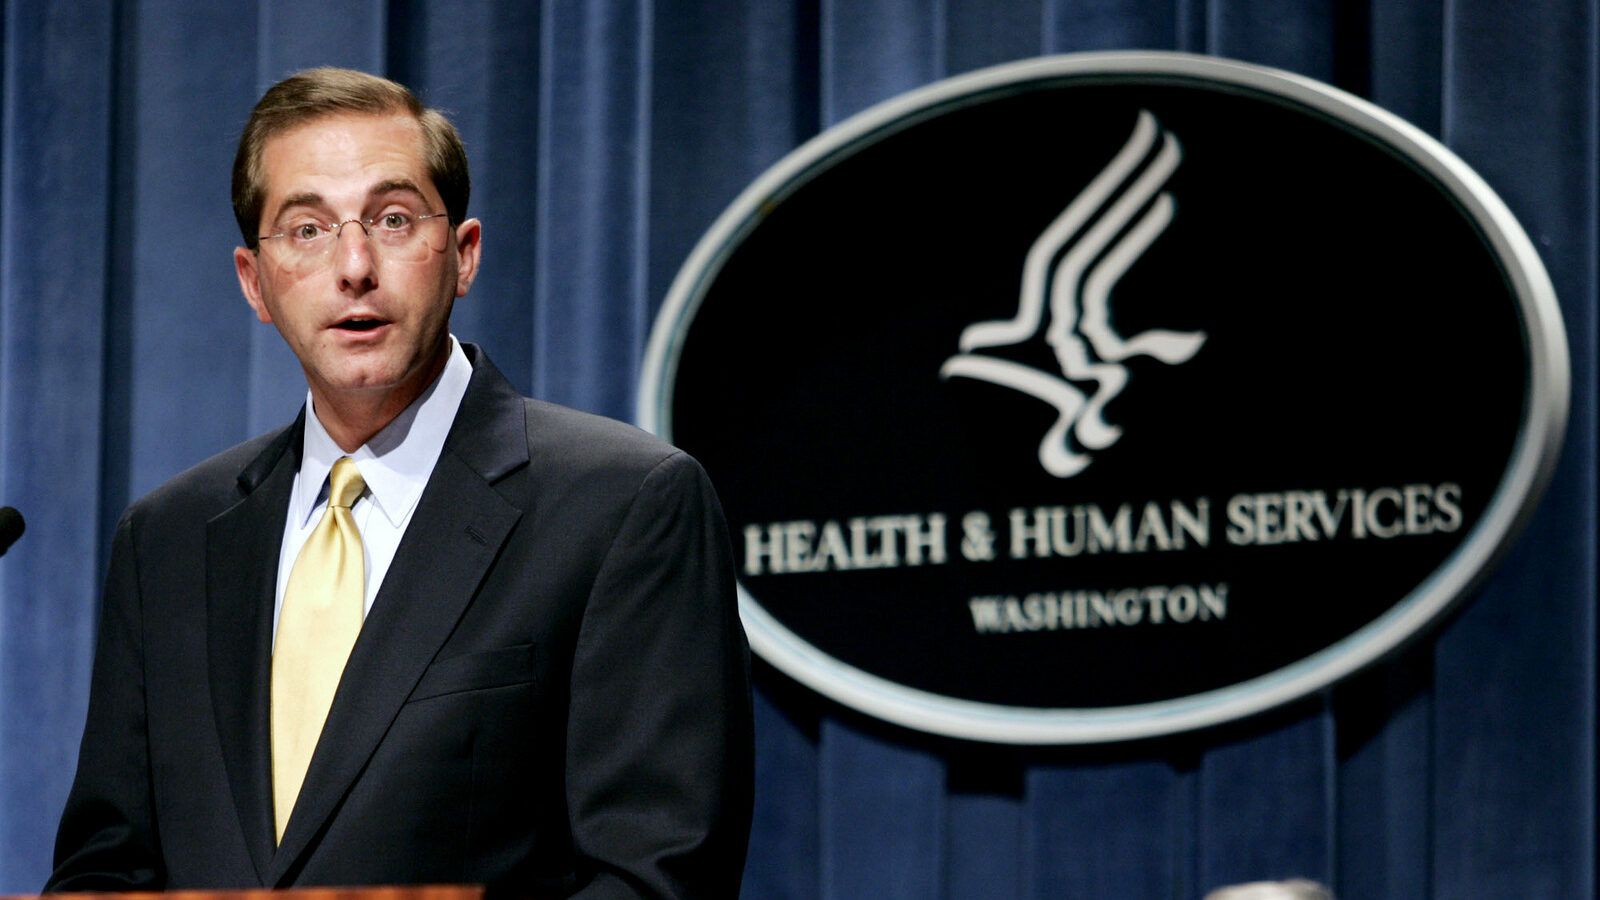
x=345 y=483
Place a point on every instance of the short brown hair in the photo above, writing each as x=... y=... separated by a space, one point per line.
x=315 y=93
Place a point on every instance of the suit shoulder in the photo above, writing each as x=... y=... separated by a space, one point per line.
x=585 y=441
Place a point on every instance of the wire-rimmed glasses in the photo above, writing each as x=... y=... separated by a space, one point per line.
x=307 y=244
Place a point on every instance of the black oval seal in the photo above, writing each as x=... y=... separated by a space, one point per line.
x=1104 y=396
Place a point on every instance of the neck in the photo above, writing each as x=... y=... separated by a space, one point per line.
x=351 y=418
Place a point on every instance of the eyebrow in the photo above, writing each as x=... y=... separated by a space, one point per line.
x=311 y=198
x=304 y=199
x=396 y=185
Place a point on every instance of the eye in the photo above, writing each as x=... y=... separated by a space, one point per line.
x=394 y=221
x=306 y=231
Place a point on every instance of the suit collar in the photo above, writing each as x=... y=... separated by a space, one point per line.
x=490 y=432
x=283 y=447
x=241 y=578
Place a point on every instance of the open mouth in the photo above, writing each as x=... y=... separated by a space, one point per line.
x=359 y=324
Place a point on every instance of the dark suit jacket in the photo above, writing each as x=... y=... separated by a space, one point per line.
x=549 y=696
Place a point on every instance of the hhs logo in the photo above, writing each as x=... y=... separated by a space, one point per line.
x=1074 y=265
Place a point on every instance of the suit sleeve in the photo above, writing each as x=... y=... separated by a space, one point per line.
x=660 y=745
x=107 y=839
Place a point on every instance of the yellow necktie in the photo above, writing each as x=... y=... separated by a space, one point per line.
x=321 y=616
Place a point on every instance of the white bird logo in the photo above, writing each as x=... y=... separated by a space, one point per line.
x=1086 y=345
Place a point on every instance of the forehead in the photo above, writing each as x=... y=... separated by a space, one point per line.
x=343 y=154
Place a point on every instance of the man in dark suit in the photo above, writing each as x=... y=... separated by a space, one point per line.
x=548 y=693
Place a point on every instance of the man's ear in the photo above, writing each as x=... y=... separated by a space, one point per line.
x=469 y=235
x=247 y=264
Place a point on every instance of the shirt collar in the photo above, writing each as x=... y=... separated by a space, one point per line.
x=398 y=460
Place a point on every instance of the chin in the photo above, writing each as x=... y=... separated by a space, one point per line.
x=361 y=380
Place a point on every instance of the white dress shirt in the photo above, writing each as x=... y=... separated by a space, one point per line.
x=396 y=464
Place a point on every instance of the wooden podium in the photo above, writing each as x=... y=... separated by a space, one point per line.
x=421 y=892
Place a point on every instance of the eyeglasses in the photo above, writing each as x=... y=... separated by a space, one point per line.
x=308 y=244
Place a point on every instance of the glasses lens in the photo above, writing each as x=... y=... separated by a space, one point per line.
x=404 y=237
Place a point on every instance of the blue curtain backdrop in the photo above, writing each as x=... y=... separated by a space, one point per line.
x=605 y=136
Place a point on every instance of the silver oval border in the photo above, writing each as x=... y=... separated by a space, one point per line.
x=1533 y=455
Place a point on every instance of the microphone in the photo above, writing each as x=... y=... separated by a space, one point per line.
x=11 y=527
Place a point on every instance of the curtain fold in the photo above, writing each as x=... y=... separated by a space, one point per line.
x=55 y=133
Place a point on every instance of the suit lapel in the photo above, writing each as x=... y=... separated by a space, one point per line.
x=448 y=548
x=242 y=547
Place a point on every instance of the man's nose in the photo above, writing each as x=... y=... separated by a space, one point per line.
x=354 y=262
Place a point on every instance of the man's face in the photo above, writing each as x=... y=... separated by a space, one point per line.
x=368 y=324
